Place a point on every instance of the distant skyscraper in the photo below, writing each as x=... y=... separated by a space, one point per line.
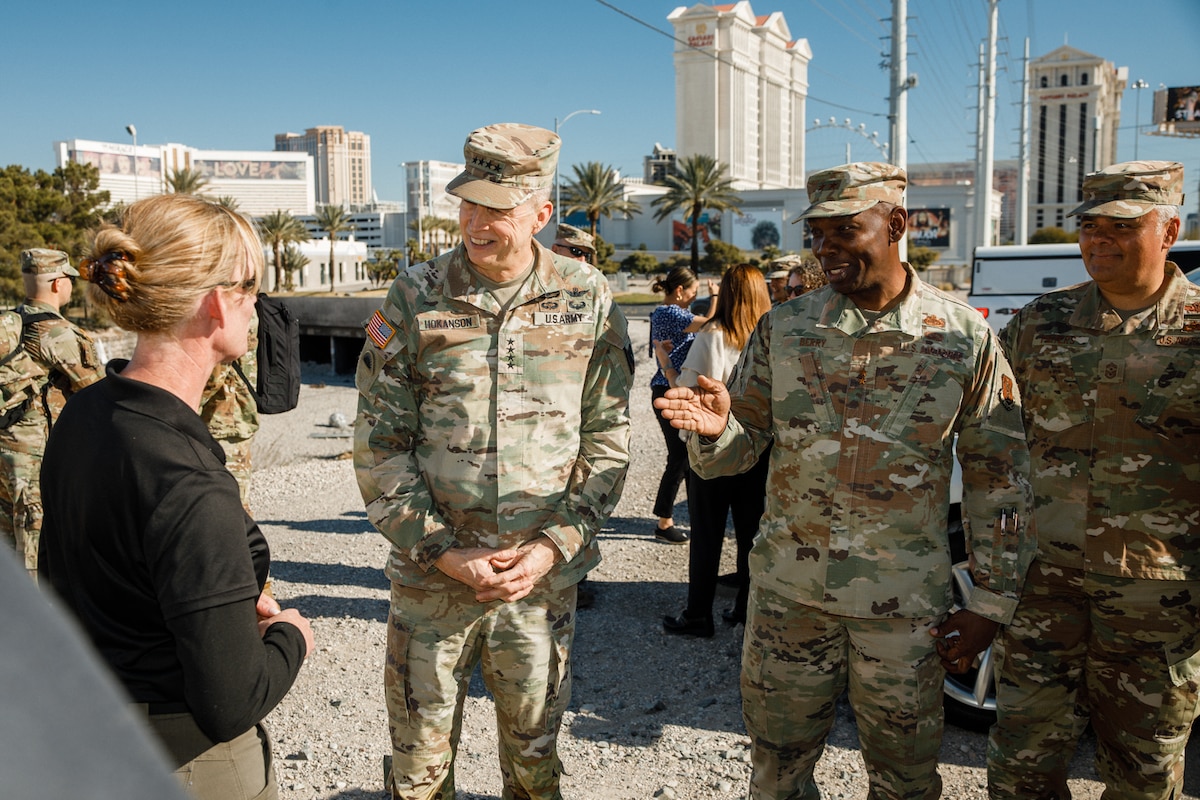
x=1075 y=111
x=427 y=194
x=741 y=84
x=341 y=159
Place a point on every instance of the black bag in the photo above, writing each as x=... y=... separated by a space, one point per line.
x=278 y=354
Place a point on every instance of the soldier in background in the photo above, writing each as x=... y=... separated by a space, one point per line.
x=805 y=278
x=862 y=387
x=777 y=285
x=491 y=443
x=574 y=243
x=68 y=361
x=1108 y=628
x=229 y=411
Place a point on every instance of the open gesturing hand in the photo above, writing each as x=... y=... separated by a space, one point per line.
x=704 y=409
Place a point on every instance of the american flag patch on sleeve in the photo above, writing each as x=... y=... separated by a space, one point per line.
x=379 y=331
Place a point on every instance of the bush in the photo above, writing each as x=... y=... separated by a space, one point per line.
x=641 y=263
x=1052 y=235
x=719 y=255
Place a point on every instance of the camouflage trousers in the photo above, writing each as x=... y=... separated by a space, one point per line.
x=435 y=639
x=1123 y=652
x=797 y=661
x=21 y=505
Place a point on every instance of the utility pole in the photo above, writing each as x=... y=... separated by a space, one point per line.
x=983 y=200
x=980 y=105
x=1022 y=229
x=898 y=140
x=901 y=82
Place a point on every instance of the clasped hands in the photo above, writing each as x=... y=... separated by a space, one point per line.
x=506 y=575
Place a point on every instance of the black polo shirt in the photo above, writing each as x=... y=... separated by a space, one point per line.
x=145 y=539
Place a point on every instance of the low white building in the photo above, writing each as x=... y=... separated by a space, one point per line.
x=260 y=181
x=349 y=260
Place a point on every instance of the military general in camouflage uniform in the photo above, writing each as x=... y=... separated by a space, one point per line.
x=1108 y=625
x=491 y=444
x=67 y=359
x=863 y=386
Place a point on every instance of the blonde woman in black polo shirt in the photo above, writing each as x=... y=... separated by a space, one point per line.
x=145 y=537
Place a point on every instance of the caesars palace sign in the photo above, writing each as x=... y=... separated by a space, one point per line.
x=701 y=38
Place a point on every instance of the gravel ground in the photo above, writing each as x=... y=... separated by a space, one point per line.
x=650 y=716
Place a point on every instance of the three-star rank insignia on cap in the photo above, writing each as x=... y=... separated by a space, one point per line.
x=1007 y=399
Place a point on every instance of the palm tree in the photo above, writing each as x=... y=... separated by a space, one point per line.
x=333 y=220
x=699 y=183
x=597 y=192
x=292 y=261
x=279 y=229
x=228 y=201
x=187 y=181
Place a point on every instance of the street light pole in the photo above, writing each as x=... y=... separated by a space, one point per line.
x=132 y=131
x=557 y=213
x=1139 y=84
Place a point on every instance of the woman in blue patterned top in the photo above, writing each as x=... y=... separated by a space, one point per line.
x=672 y=324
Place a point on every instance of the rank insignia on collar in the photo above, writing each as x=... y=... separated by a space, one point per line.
x=934 y=321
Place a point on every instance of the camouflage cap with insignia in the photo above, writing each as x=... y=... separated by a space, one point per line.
x=570 y=236
x=43 y=261
x=1131 y=189
x=777 y=275
x=850 y=188
x=505 y=164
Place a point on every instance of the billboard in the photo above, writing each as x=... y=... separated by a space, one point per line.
x=119 y=163
x=709 y=228
x=1183 y=104
x=249 y=169
x=929 y=227
x=758 y=228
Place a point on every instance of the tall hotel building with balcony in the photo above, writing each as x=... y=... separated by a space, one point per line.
x=1075 y=101
x=741 y=84
x=341 y=162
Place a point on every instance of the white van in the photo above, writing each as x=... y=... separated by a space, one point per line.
x=1003 y=279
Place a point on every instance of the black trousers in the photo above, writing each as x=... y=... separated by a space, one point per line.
x=677 y=462
x=709 y=503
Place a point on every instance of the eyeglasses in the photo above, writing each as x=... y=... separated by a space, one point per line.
x=246 y=286
x=796 y=291
x=578 y=252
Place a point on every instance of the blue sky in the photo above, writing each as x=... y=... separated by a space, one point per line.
x=418 y=76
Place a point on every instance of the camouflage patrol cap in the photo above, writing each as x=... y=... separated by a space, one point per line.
x=777 y=274
x=42 y=261
x=570 y=236
x=850 y=188
x=1131 y=189
x=505 y=164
